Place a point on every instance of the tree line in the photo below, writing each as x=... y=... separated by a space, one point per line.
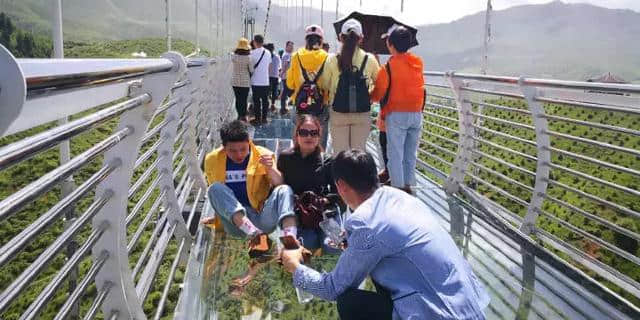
x=21 y=43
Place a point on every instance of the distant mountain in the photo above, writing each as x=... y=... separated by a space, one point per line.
x=569 y=41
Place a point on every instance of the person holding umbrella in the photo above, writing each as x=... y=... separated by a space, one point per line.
x=350 y=76
x=400 y=89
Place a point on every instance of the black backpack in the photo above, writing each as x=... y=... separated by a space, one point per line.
x=309 y=99
x=352 y=94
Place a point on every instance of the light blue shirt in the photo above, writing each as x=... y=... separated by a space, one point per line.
x=397 y=240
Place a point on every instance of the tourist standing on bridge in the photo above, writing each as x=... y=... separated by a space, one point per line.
x=418 y=271
x=274 y=75
x=286 y=63
x=241 y=77
x=311 y=59
x=241 y=176
x=261 y=59
x=400 y=88
x=350 y=76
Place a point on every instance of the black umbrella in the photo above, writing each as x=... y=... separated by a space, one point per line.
x=374 y=27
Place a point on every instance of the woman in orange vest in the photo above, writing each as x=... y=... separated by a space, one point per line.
x=402 y=112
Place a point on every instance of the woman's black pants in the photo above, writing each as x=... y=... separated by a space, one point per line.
x=241 y=94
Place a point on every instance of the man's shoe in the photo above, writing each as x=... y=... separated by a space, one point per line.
x=284 y=112
x=273 y=108
x=264 y=121
x=408 y=190
x=255 y=122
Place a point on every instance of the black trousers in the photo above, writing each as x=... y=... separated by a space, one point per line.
x=286 y=93
x=383 y=146
x=241 y=94
x=273 y=84
x=260 y=101
x=356 y=304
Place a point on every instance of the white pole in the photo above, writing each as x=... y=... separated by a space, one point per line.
x=210 y=27
x=197 y=30
x=322 y=14
x=487 y=36
x=168 y=23
x=222 y=33
x=401 y=5
x=58 y=48
x=58 y=53
x=68 y=184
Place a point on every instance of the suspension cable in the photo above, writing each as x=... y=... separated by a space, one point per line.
x=266 y=22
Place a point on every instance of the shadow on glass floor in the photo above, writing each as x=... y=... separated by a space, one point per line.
x=521 y=285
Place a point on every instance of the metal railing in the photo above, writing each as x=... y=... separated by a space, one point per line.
x=138 y=131
x=557 y=161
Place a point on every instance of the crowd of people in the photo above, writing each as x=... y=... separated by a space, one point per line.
x=306 y=194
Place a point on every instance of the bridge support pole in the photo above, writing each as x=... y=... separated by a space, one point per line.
x=544 y=158
x=466 y=132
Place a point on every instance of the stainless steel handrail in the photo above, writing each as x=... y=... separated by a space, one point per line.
x=82 y=286
x=10 y=249
x=81 y=73
x=136 y=236
x=138 y=206
x=28 y=147
x=28 y=274
x=14 y=202
x=560 y=84
x=46 y=293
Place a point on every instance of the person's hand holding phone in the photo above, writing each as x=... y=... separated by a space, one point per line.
x=266 y=160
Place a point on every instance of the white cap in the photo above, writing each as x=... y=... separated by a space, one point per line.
x=390 y=30
x=352 y=25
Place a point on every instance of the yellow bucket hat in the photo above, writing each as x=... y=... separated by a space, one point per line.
x=243 y=43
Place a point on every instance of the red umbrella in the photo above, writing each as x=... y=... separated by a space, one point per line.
x=373 y=27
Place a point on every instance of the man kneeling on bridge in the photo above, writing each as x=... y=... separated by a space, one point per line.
x=416 y=267
x=241 y=176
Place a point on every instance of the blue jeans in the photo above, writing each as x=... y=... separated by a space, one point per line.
x=278 y=206
x=403 y=136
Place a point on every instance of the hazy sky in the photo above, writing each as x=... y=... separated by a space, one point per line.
x=438 y=11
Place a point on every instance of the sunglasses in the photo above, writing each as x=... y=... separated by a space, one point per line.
x=306 y=133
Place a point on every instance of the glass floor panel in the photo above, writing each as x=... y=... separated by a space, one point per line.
x=535 y=291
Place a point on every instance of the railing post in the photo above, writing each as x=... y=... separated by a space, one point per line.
x=165 y=168
x=195 y=76
x=465 y=133
x=13 y=89
x=543 y=142
x=122 y=300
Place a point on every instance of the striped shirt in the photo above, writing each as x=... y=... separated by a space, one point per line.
x=241 y=68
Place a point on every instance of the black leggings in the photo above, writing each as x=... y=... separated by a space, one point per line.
x=356 y=304
x=260 y=101
x=383 y=146
x=241 y=94
x=274 y=82
x=286 y=93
